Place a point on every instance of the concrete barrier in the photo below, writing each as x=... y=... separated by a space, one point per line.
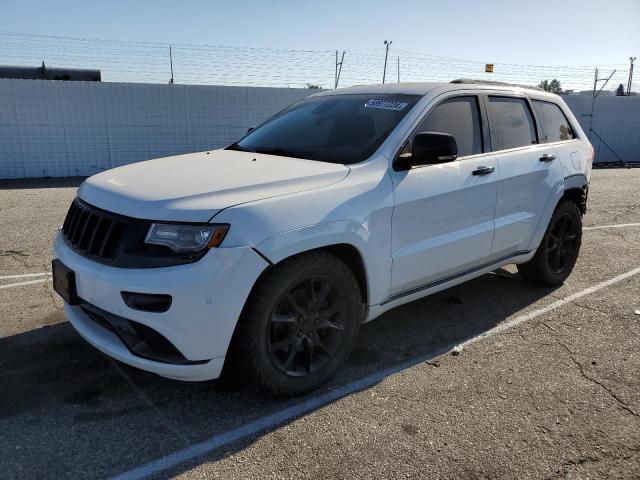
x=59 y=129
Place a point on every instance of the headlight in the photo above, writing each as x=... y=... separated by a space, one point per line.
x=186 y=238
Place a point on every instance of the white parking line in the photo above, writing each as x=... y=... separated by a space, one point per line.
x=291 y=413
x=25 y=275
x=558 y=303
x=619 y=225
x=41 y=274
x=22 y=284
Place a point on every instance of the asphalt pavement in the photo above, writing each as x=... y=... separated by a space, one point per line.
x=490 y=379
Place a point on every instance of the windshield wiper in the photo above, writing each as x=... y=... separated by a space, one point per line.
x=235 y=146
x=281 y=152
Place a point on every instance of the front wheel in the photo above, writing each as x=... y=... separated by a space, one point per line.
x=558 y=251
x=300 y=324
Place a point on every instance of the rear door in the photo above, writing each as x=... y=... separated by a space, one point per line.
x=556 y=131
x=443 y=215
x=528 y=171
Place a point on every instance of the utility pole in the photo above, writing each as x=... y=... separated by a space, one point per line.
x=398 y=69
x=631 y=60
x=336 y=76
x=171 y=63
x=596 y=79
x=335 y=72
x=384 y=74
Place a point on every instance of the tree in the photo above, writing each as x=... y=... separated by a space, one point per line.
x=620 y=90
x=313 y=86
x=552 y=86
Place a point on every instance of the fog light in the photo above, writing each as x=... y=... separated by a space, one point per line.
x=147 y=302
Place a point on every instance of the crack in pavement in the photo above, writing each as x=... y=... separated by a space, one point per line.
x=593 y=309
x=13 y=253
x=597 y=382
x=584 y=374
x=54 y=297
x=597 y=310
x=582 y=305
x=589 y=459
x=624 y=211
x=19 y=256
x=622 y=237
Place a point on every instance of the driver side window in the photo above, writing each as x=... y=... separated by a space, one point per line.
x=460 y=117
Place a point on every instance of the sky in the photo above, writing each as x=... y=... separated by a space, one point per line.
x=541 y=33
x=565 y=32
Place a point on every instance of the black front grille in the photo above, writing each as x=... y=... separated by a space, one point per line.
x=92 y=232
x=117 y=240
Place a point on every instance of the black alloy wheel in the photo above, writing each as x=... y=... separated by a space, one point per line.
x=562 y=244
x=307 y=326
x=299 y=325
x=558 y=252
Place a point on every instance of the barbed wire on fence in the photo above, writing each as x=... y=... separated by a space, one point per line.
x=148 y=62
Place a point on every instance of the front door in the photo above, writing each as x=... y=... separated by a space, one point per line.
x=443 y=219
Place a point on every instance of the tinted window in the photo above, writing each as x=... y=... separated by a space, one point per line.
x=512 y=124
x=332 y=128
x=460 y=118
x=555 y=125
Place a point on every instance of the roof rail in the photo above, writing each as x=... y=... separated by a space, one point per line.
x=490 y=82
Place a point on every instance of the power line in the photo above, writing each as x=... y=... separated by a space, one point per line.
x=140 y=61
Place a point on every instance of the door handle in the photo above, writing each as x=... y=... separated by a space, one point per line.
x=483 y=170
x=547 y=158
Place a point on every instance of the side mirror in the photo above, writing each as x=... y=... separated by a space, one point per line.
x=430 y=148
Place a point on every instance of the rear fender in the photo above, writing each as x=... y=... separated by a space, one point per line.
x=568 y=183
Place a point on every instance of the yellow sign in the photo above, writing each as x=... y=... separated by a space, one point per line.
x=488 y=67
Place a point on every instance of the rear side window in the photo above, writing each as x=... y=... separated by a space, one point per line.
x=512 y=123
x=459 y=117
x=555 y=125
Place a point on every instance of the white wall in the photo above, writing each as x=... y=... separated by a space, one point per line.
x=616 y=120
x=50 y=128
x=55 y=129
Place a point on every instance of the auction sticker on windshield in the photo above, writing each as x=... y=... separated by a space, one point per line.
x=386 y=104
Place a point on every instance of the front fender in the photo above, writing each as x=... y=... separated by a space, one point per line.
x=292 y=242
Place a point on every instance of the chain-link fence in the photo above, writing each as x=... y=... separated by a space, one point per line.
x=149 y=62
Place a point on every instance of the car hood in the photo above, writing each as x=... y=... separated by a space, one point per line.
x=196 y=186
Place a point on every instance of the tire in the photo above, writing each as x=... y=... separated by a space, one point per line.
x=299 y=325
x=558 y=251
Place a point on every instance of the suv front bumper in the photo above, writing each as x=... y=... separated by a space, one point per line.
x=207 y=299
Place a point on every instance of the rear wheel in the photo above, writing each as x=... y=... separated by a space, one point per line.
x=557 y=254
x=300 y=324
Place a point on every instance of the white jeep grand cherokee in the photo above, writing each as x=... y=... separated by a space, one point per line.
x=269 y=254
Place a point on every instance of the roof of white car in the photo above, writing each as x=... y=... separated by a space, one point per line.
x=421 y=88
x=412 y=88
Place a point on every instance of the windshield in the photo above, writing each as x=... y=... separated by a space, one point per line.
x=337 y=128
